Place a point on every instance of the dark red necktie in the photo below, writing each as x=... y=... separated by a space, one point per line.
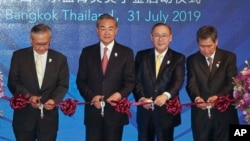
x=104 y=60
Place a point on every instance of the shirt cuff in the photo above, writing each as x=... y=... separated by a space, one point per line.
x=167 y=94
x=196 y=98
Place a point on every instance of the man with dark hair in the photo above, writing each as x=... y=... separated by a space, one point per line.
x=210 y=73
x=106 y=75
x=43 y=74
x=160 y=74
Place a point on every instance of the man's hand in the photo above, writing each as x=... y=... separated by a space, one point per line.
x=50 y=104
x=146 y=100
x=161 y=100
x=114 y=97
x=96 y=101
x=212 y=99
x=35 y=101
x=202 y=104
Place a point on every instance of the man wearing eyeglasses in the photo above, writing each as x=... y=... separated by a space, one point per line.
x=43 y=74
x=159 y=77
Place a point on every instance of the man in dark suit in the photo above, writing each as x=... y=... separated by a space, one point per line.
x=46 y=83
x=158 y=86
x=99 y=85
x=205 y=84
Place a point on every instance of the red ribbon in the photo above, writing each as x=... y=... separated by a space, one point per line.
x=68 y=106
x=173 y=106
x=19 y=101
x=222 y=103
x=123 y=106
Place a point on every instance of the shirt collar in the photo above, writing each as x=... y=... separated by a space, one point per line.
x=109 y=46
x=35 y=53
x=163 y=53
x=212 y=56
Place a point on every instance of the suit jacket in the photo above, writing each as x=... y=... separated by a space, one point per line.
x=201 y=82
x=119 y=77
x=23 y=80
x=170 y=79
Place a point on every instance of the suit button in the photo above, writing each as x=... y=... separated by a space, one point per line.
x=156 y=90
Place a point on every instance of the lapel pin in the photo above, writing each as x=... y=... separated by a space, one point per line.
x=50 y=60
x=218 y=64
x=116 y=54
x=168 y=62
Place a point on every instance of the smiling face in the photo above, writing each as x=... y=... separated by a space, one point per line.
x=161 y=37
x=106 y=30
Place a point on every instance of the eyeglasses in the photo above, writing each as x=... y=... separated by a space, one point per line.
x=42 y=44
x=158 y=36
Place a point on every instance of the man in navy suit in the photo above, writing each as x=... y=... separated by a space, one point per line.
x=106 y=74
x=47 y=88
x=158 y=85
x=205 y=84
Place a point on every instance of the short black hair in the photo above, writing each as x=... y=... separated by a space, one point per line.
x=161 y=24
x=206 y=32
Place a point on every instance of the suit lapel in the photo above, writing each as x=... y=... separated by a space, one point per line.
x=48 y=68
x=216 y=62
x=203 y=65
x=31 y=62
x=165 y=62
x=112 y=58
x=151 y=64
x=97 y=60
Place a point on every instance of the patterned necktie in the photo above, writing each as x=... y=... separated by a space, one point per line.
x=39 y=69
x=104 y=60
x=158 y=64
x=210 y=60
